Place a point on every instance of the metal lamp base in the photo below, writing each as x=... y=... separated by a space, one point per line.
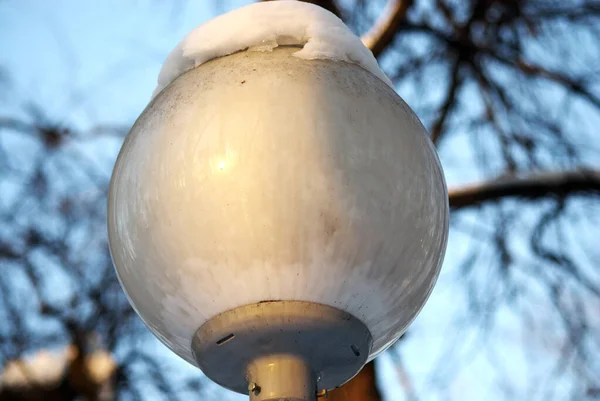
x=282 y=350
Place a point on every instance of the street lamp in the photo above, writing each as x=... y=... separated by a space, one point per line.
x=277 y=218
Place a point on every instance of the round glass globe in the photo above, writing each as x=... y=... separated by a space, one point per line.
x=262 y=176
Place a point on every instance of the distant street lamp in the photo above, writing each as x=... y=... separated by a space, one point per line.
x=277 y=221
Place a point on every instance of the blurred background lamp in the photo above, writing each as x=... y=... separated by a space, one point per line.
x=277 y=215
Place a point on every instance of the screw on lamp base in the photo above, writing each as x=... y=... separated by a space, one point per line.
x=280 y=350
x=281 y=377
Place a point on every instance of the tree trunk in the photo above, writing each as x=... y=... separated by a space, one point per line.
x=363 y=387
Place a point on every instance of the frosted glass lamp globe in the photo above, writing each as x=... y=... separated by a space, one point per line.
x=265 y=177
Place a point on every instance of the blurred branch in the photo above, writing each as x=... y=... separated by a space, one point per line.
x=573 y=85
x=330 y=5
x=449 y=102
x=566 y=11
x=534 y=186
x=404 y=376
x=383 y=32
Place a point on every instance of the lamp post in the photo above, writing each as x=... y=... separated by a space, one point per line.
x=276 y=221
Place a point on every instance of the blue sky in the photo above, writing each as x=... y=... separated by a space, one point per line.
x=92 y=63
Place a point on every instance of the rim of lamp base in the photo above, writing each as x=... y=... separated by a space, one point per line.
x=252 y=349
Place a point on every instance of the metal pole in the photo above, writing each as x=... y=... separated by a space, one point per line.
x=281 y=377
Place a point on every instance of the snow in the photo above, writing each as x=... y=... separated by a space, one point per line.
x=43 y=368
x=264 y=26
x=47 y=368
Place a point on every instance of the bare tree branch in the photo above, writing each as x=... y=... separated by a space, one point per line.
x=330 y=5
x=438 y=127
x=534 y=186
x=383 y=32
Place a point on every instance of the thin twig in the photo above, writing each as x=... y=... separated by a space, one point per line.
x=438 y=127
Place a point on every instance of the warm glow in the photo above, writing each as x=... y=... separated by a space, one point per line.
x=271 y=197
